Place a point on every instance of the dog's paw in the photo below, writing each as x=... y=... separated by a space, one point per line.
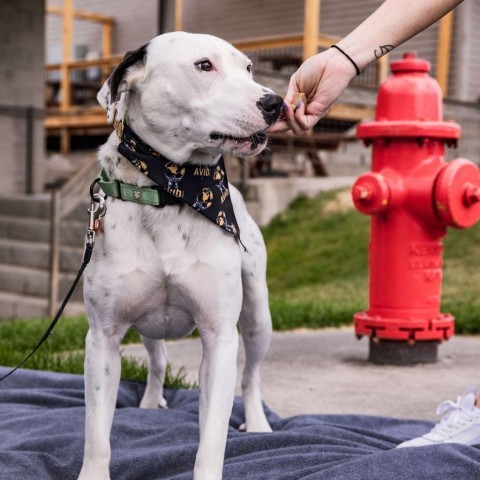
x=93 y=474
x=153 y=403
x=260 y=427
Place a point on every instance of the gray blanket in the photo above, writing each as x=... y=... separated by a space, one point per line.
x=42 y=422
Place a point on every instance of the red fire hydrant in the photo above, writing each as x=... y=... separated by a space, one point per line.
x=412 y=195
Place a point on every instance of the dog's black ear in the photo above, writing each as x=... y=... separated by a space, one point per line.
x=135 y=57
x=121 y=80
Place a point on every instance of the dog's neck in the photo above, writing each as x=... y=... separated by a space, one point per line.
x=165 y=141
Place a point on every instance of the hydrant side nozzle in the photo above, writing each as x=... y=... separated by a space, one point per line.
x=471 y=194
x=457 y=194
x=371 y=193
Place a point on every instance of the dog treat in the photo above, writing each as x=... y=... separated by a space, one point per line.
x=296 y=98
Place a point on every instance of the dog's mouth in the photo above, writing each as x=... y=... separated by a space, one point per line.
x=241 y=144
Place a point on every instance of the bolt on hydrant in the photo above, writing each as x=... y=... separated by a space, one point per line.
x=412 y=196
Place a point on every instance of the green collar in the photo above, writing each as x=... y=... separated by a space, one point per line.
x=152 y=195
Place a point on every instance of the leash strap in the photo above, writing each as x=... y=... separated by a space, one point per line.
x=86 y=259
x=96 y=211
x=155 y=196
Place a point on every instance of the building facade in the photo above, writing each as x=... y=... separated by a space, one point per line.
x=137 y=22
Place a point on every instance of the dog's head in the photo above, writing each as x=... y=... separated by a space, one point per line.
x=186 y=92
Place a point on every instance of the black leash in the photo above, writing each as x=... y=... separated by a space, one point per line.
x=96 y=211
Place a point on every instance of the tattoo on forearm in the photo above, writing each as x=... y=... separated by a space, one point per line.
x=383 y=50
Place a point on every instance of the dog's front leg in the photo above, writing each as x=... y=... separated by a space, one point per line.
x=217 y=387
x=102 y=377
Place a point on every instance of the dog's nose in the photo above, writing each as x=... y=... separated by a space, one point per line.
x=270 y=105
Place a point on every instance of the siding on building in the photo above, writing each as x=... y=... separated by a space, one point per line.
x=236 y=20
x=474 y=53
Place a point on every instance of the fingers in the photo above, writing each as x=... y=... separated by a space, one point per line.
x=297 y=118
x=294 y=119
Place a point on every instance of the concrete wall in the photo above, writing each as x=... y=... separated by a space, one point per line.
x=21 y=85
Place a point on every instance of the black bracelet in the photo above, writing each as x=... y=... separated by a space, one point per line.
x=349 y=57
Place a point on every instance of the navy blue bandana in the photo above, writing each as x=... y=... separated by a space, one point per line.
x=203 y=187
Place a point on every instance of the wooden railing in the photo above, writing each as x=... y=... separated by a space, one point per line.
x=297 y=41
x=262 y=44
x=63 y=201
x=68 y=15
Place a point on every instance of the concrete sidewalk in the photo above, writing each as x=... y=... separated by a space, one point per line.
x=326 y=371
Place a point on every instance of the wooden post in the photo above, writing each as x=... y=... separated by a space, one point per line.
x=178 y=22
x=107 y=30
x=67 y=39
x=311 y=25
x=443 y=51
x=65 y=87
x=382 y=70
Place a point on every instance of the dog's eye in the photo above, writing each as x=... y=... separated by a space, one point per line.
x=204 y=65
x=249 y=68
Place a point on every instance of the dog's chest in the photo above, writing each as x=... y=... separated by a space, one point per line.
x=157 y=264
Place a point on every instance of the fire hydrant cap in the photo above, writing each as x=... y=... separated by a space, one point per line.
x=457 y=194
x=410 y=63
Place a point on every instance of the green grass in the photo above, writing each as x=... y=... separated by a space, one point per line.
x=63 y=351
x=317 y=267
x=317 y=276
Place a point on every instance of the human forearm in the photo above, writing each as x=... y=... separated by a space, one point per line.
x=324 y=76
x=394 y=22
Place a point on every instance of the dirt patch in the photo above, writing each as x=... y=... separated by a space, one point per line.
x=341 y=203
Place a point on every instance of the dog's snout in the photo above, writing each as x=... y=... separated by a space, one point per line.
x=270 y=105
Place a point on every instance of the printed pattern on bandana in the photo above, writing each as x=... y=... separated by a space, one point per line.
x=203 y=187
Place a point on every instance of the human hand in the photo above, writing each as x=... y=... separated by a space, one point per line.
x=322 y=78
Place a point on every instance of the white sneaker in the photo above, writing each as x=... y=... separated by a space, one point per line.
x=460 y=423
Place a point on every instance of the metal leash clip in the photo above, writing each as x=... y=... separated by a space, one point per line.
x=97 y=210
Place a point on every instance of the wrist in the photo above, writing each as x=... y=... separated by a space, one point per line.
x=348 y=57
x=339 y=63
x=361 y=55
